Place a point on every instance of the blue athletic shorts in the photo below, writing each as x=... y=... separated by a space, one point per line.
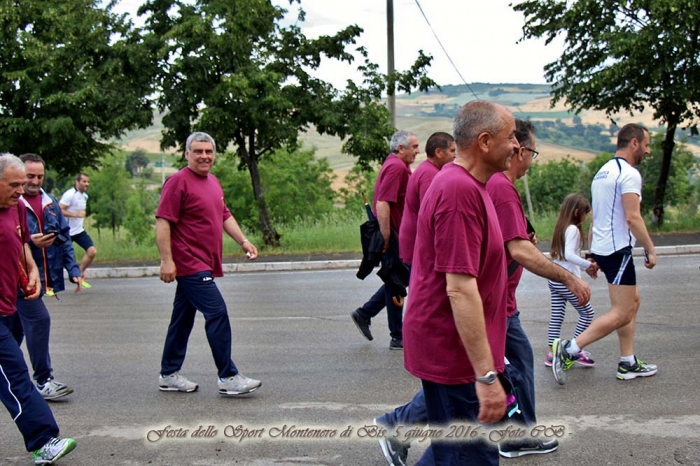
x=83 y=240
x=618 y=267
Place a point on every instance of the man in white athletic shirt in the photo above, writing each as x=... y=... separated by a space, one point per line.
x=617 y=224
x=73 y=204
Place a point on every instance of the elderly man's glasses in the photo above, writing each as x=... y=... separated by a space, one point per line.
x=534 y=152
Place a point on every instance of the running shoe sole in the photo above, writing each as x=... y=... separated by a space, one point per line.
x=539 y=450
x=175 y=389
x=634 y=375
x=227 y=393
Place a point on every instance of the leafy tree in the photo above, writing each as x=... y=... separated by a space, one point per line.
x=140 y=210
x=109 y=191
x=296 y=186
x=136 y=161
x=358 y=182
x=230 y=68
x=625 y=55
x=679 y=187
x=551 y=182
x=72 y=75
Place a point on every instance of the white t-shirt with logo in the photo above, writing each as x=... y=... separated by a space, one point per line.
x=76 y=201
x=610 y=230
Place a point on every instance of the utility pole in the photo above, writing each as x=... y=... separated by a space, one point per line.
x=162 y=168
x=391 y=98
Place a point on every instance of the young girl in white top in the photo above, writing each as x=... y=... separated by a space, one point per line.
x=567 y=241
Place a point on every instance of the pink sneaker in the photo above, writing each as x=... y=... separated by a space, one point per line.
x=548 y=359
x=584 y=359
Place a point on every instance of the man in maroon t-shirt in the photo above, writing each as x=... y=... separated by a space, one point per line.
x=519 y=248
x=190 y=222
x=440 y=149
x=456 y=318
x=23 y=401
x=389 y=198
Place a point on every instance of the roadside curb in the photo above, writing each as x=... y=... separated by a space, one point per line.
x=154 y=271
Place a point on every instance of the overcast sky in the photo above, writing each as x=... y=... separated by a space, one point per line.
x=481 y=37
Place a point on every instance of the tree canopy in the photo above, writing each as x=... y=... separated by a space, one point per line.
x=72 y=75
x=233 y=70
x=625 y=56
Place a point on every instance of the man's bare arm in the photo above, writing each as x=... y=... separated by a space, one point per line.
x=168 y=270
x=64 y=211
x=468 y=312
x=234 y=231
x=635 y=222
x=384 y=219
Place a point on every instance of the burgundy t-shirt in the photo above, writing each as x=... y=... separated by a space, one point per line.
x=11 y=219
x=35 y=203
x=457 y=233
x=511 y=216
x=415 y=191
x=391 y=187
x=195 y=207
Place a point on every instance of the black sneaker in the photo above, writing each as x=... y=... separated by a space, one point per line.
x=396 y=344
x=627 y=371
x=395 y=452
x=362 y=324
x=535 y=446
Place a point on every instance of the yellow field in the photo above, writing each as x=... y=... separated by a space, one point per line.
x=410 y=109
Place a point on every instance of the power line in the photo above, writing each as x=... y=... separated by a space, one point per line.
x=444 y=50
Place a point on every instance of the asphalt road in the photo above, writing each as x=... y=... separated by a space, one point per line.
x=292 y=330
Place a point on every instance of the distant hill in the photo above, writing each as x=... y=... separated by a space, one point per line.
x=427 y=112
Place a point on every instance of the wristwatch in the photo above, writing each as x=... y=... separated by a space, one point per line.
x=489 y=378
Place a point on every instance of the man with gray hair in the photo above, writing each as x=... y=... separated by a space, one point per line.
x=23 y=401
x=190 y=221
x=388 y=204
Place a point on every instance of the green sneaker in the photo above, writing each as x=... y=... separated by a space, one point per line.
x=53 y=450
x=626 y=371
x=561 y=360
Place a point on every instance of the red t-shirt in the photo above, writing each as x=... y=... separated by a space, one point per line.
x=391 y=187
x=12 y=221
x=195 y=207
x=457 y=233
x=415 y=191
x=35 y=203
x=511 y=216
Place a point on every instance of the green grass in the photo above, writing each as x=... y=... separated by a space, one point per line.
x=334 y=233
x=337 y=233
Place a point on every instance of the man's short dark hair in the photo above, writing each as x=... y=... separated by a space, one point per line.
x=524 y=129
x=437 y=141
x=628 y=132
x=79 y=176
x=29 y=157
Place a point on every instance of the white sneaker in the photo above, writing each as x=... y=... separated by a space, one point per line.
x=52 y=390
x=176 y=383
x=238 y=385
x=54 y=449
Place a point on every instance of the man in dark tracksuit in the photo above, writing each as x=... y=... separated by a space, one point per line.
x=52 y=250
x=27 y=408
